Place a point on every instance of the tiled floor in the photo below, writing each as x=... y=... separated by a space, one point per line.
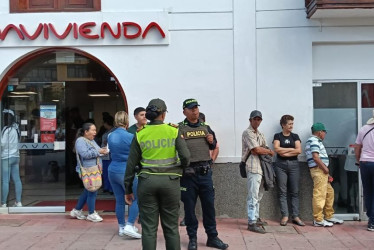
x=59 y=231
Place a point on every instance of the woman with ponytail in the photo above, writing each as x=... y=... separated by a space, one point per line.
x=119 y=142
x=162 y=154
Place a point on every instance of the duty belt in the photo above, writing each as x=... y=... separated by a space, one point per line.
x=201 y=168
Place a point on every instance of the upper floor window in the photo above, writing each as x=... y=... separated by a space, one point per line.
x=22 y=6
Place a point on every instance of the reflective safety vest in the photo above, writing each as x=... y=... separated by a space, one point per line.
x=159 y=156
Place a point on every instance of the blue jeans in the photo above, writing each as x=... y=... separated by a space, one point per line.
x=89 y=198
x=367 y=178
x=106 y=182
x=118 y=186
x=255 y=193
x=10 y=168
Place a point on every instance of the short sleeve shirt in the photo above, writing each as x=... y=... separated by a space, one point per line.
x=250 y=140
x=315 y=145
x=367 y=152
x=286 y=142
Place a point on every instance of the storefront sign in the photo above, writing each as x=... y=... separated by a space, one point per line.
x=85 y=29
x=124 y=30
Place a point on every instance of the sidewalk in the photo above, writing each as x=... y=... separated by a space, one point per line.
x=58 y=231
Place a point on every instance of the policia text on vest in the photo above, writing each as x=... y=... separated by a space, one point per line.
x=158 y=143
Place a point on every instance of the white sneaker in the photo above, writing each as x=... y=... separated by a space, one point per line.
x=94 y=217
x=77 y=214
x=3 y=205
x=130 y=231
x=121 y=231
x=335 y=220
x=322 y=223
x=17 y=204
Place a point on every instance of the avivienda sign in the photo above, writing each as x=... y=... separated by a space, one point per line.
x=86 y=30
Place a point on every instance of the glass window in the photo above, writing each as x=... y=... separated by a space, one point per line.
x=17 y=6
x=45 y=103
x=335 y=105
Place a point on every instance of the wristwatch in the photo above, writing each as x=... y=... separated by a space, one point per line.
x=357 y=164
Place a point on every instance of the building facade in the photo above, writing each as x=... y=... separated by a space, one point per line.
x=306 y=59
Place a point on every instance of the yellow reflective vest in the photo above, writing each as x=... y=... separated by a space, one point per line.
x=159 y=156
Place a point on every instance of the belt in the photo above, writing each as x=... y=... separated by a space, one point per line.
x=200 y=164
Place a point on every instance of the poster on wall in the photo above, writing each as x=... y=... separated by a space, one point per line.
x=48 y=118
x=47 y=138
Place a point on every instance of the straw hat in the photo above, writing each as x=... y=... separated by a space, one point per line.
x=371 y=120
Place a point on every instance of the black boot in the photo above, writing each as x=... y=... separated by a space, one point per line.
x=192 y=245
x=216 y=243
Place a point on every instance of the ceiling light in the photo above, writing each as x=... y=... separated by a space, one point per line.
x=18 y=96
x=24 y=93
x=98 y=95
x=55 y=100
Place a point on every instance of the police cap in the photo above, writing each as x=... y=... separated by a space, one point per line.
x=190 y=103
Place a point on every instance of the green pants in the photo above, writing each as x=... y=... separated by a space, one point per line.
x=158 y=197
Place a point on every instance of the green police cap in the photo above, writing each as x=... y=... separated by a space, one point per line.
x=318 y=127
x=190 y=103
x=158 y=105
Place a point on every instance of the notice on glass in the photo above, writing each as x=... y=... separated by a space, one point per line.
x=48 y=118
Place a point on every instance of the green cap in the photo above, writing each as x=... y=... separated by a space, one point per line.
x=190 y=103
x=157 y=105
x=318 y=127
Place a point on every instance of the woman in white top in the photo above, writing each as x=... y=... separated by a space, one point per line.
x=10 y=158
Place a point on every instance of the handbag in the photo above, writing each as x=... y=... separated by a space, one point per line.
x=91 y=176
x=243 y=167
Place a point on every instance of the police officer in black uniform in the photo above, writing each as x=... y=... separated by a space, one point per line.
x=197 y=178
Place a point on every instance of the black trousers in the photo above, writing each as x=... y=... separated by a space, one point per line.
x=199 y=186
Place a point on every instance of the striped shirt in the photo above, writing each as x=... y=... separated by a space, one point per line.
x=251 y=140
x=315 y=145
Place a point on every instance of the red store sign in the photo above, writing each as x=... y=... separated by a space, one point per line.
x=126 y=30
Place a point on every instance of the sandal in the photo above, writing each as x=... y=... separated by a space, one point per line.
x=284 y=221
x=298 y=222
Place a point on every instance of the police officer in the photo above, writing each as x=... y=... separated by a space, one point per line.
x=155 y=148
x=197 y=177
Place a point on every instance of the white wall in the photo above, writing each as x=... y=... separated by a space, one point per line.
x=198 y=62
x=233 y=56
x=292 y=51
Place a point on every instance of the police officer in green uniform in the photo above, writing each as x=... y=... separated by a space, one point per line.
x=197 y=178
x=155 y=148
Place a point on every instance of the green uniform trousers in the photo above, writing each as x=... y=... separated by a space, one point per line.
x=158 y=197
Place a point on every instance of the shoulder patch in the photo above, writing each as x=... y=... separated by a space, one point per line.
x=173 y=125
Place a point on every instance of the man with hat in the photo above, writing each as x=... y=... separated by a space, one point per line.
x=323 y=193
x=162 y=154
x=197 y=178
x=364 y=152
x=253 y=145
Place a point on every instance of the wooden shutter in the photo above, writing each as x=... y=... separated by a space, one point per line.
x=17 y=6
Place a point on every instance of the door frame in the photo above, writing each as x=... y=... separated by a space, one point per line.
x=361 y=215
x=9 y=72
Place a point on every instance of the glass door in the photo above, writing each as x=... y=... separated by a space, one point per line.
x=335 y=105
x=33 y=146
x=366 y=112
